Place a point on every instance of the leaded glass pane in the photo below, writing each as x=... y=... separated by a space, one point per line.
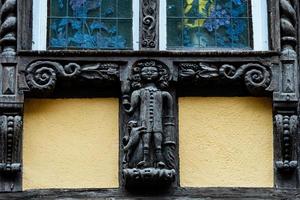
x=208 y=24
x=90 y=24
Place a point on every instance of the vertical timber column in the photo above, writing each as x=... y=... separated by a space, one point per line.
x=148 y=126
x=11 y=102
x=149 y=14
x=286 y=100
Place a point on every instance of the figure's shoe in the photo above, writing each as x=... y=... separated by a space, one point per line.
x=161 y=165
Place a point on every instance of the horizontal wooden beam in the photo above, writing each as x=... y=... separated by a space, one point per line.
x=180 y=193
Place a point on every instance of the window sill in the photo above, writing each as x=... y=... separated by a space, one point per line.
x=177 y=53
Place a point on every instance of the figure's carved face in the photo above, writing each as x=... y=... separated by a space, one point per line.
x=149 y=73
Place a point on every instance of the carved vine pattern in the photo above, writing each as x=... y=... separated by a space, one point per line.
x=149 y=24
x=8 y=16
x=42 y=75
x=257 y=77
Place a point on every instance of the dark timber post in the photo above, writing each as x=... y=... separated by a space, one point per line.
x=286 y=100
x=11 y=101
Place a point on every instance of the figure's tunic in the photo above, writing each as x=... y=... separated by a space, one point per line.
x=151 y=109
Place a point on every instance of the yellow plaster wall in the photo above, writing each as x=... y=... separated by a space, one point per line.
x=71 y=143
x=225 y=142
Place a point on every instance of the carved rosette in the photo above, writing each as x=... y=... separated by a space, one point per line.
x=256 y=77
x=8 y=28
x=149 y=142
x=149 y=24
x=286 y=130
x=43 y=75
x=10 y=143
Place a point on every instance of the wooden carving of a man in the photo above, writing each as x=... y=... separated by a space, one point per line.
x=155 y=112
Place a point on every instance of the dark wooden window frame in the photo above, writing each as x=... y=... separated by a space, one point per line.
x=39 y=74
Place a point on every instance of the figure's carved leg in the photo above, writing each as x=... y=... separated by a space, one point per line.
x=158 y=150
x=146 y=137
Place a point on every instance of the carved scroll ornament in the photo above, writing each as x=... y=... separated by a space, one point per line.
x=149 y=142
x=256 y=77
x=43 y=75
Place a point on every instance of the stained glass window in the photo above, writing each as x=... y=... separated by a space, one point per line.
x=209 y=24
x=90 y=24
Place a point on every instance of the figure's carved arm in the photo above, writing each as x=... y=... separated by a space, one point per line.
x=168 y=99
x=133 y=103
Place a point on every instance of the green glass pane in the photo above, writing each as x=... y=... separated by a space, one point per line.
x=125 y=8
x=108 y=9
x=198 y=8
x=58 y=8
x=175 y=8
x=174 y=32
x=124 y=37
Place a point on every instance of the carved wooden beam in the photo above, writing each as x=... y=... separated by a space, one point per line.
x=11 y=102
x=254 y=76
x=286 y=100
x=41 y=76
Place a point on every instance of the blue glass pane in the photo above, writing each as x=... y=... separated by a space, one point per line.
x=209 y=23
x=58 y=33
x=240 y=35
x=90 y=24
x=239 y=8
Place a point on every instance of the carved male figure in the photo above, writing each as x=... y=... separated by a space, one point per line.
x=154 y=106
